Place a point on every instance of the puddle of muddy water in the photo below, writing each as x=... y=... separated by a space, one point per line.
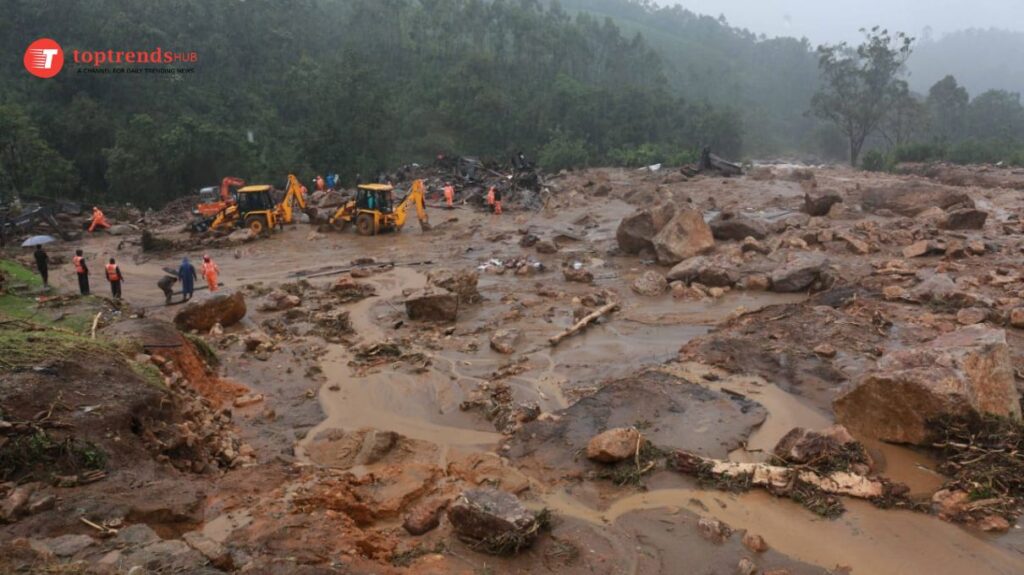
x=867 y=539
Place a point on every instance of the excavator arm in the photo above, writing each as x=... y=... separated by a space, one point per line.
x=416 y=198
x=225 y=187
x=294 y=194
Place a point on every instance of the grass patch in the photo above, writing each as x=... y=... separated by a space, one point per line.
x=204 y=349
x=20 y=274
x=28 y=347
x=39 y=454
x=633 y=470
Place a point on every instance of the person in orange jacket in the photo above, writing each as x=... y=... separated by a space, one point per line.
x=210 y=272
x=82 y=270
x=115 y=277
x=497 y=201
x=449 y=195
x=319 y=183
x=490 y=196
x=98 y=220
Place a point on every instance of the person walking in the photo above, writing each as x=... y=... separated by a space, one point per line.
x=187 y=276
x=166 y=285
x=497 y=201
x=115 y=277
x=82 y=269
x=98 y=220
x=210 y=272
x=43 y=265
x=449 y=195
x=490 y=197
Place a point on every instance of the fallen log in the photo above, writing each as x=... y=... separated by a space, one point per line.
x=583 y=323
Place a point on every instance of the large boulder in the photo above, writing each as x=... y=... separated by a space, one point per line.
x=964 y=372
x=492 y=521
x=432 y=304
x=227 y=310
x=818 y=205
x=800 y=273
x=705 y=271
x=637 y=230
x=460 y=282
x=737 y=229
x=684 y=236
x=965 y=219
x=913 y=198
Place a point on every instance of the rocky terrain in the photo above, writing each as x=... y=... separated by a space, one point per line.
x=799 y=370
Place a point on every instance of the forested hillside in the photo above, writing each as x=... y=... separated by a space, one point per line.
x=357 y=86
x=348 y=85
x=980 y=59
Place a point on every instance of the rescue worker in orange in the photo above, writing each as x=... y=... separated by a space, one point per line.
x=497 y=201
x=449 y=195
x=210 y=272
x=490 y=197
x=98 y=220
x=319 y=183
x=115 y=277
x=83 y=272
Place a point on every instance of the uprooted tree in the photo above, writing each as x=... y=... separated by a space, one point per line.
x=860 y=84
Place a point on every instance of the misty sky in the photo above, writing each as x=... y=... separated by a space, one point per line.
x=836 y=20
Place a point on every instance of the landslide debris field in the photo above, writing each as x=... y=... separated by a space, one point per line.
x=797 y=370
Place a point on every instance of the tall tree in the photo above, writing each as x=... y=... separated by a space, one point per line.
x=907 y=117
x=860 y=84
x=947 y=110
x=996 y=115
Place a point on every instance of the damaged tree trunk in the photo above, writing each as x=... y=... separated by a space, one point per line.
x=583 y=323
x=780 y=480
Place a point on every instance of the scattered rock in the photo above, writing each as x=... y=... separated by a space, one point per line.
x=241 y=236
x=684 y=236
x=755 y=543
x=504 y=340
x=922 y=248
x=713 y=530
x=950 y=504
x=799 y=273
x=462 y=283
x=614 y=445
x=492 y=521
x=546 y=247
x=818 y=205
x=67 y=545
x=279 y=300
x=958 y=373
x=227 y=310
x=912 y=198
x=433 y=305
x=738 y=228
x=1017 y=317
x=247 y=400
x=825 y=350
x=746 y=567
x=705 y=271
x=752 y=245
x=965 y=219
x=993 y=524
x=756 y=282
x=216 y=553
x=577 y=274
x=971 y=315
x=425 y=516
x=650 y=283
x=937 y=287
x=856 y=245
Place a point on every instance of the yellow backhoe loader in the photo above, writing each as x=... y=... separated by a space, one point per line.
x=373 y=210
x=253 y=209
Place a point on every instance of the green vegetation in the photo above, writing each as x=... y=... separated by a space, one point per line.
x=42 y=455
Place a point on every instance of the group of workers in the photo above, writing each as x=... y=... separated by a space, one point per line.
x=332 y=182
x=186 y=274
x=493 y=197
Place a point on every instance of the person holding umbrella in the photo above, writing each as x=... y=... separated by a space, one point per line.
x=43 y=265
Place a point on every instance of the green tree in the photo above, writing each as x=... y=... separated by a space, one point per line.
x=28 y=164
x=947 y=110
x=996 y=115
x=860 y=84
x=906 y=118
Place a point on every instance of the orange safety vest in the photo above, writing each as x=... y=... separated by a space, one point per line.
x=79 y=268
x=112 y=274
x=209 y=268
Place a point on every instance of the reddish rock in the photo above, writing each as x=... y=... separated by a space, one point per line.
x=613 y=445
x=424 y=516
x=755 y=543
x=227 y=310
x=684 y=236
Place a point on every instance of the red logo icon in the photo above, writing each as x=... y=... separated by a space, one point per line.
x=44 y=58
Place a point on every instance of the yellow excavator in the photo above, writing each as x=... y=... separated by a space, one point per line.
x=374 y=212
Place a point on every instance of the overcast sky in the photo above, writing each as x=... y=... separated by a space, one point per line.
x=835 y=20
